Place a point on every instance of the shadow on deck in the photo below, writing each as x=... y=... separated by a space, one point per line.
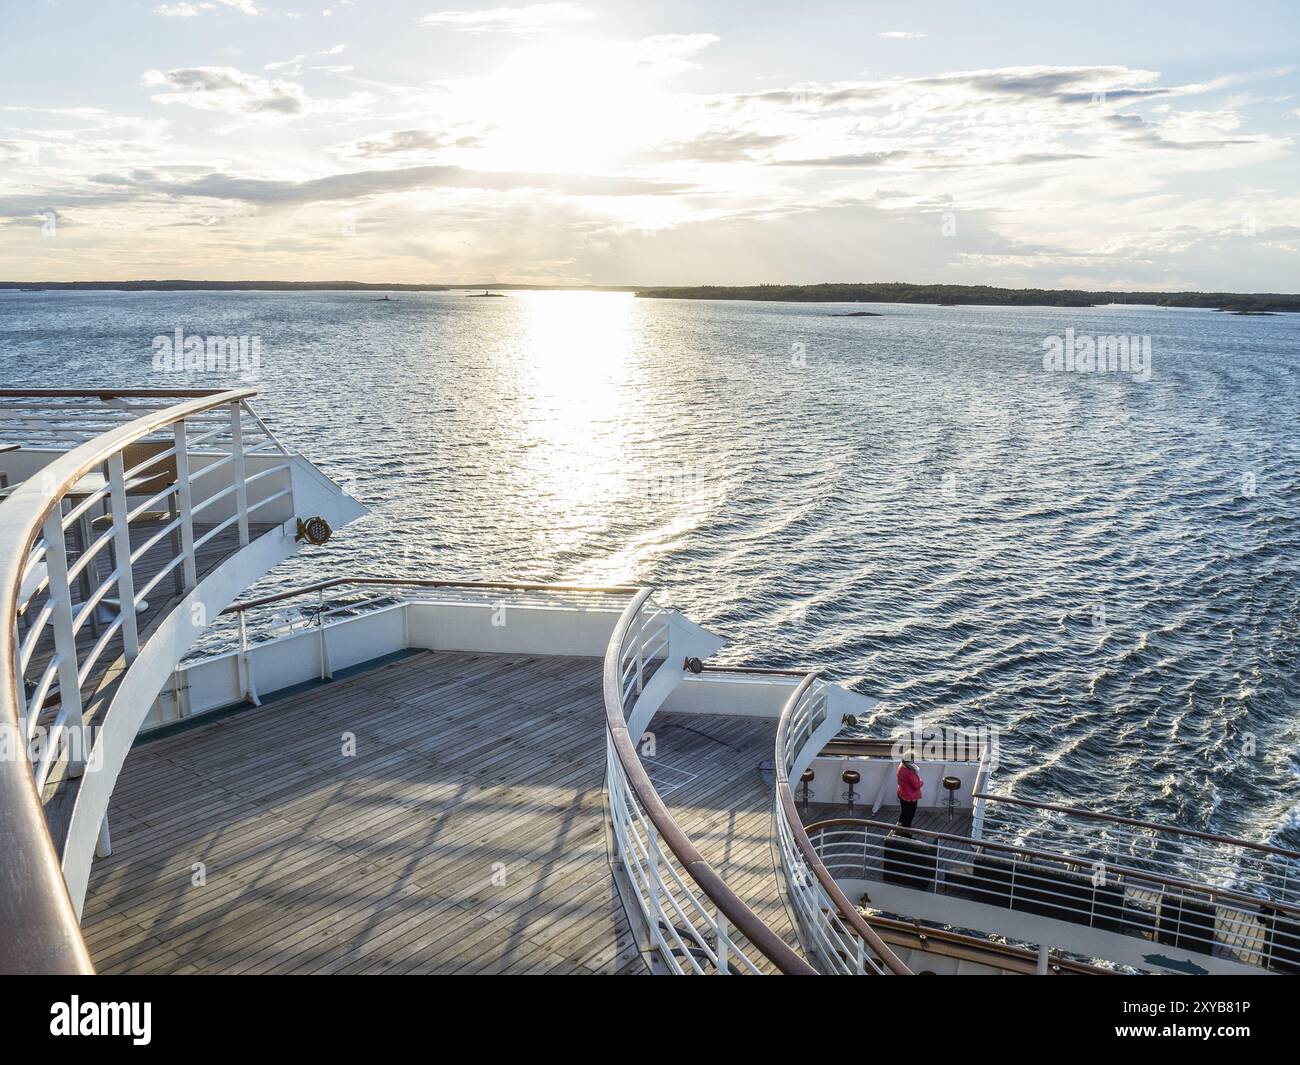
x=439 y=813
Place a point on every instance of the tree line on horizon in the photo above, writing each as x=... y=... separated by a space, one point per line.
x=858 y=292
x=985 y=295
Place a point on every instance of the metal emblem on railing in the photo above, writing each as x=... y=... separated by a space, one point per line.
x=315 y=531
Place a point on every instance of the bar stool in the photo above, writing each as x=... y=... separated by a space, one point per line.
x=851 y=777
x=951 y=784
x=806 y=778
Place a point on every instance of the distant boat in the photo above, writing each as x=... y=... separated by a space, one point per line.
x=386 y=299
x=485 y=292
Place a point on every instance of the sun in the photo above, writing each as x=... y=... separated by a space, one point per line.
x=572 y=108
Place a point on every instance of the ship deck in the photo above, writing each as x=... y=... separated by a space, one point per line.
x=466 y=834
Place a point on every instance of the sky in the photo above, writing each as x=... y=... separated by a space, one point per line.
x=1100 y=145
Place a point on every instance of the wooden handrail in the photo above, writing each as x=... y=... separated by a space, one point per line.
x=790 y=811
x=1051 y=856
x=1022 y=960
x=742 y=918
x=111 y=393
x=39 y=932
x=1117 y=819
x=761 y=671
x=418 y=582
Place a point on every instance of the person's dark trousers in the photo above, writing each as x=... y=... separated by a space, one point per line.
x=906 y=811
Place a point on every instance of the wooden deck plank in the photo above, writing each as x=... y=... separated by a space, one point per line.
x=379 y=862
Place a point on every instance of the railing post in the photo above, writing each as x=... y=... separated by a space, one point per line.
x=247 y=681
x=104 y=845
x=183 y=503
x=325 y=672
x=65 y=640
x=656 y=885
x=122 y=553
x=179 y=700
x=720 y=929
x=20 y=689
x=241 y=484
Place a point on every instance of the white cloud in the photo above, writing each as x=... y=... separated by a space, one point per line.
x=620 y=167
x=406 y=142
x=226 y=90
x=535 y=18
x=901 y=35
x=186 y=9
x=183 y=10
x=294 y=66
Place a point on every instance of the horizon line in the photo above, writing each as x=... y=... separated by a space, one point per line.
x=614 y=286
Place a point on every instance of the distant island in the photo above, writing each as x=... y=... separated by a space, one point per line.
x=978 y=295
x=1245 y=303
x=287 y=286
x=220 y=286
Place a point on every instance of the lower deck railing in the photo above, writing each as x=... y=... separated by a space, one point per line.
x=1111 y=841
x=1076 y=892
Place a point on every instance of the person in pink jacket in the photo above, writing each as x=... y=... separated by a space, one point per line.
x=909 y=792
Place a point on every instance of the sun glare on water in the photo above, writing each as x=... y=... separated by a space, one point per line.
x=572 y=373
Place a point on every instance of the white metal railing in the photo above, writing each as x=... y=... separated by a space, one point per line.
x=1107 y=840
x=326 y=603
x=96 y=543
x=830 y=928
x=1076 y=891
x=696 y=924
x=320 y=607
x=138 y=519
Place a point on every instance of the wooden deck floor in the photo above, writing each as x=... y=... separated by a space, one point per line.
x=466 y=833
x=715 y=775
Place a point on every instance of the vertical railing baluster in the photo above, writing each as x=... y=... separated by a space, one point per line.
x=247 y=681
x=122 y=553
x=20 y=689
x=241 y=483
x=184 y=506
x=656 y=884
x=720 y=931
x=325 y=672
x=65 y=640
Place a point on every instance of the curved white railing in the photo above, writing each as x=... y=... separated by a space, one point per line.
x=829 y=925
x=1016 y=879
x=88 y=538
x=694 y=921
